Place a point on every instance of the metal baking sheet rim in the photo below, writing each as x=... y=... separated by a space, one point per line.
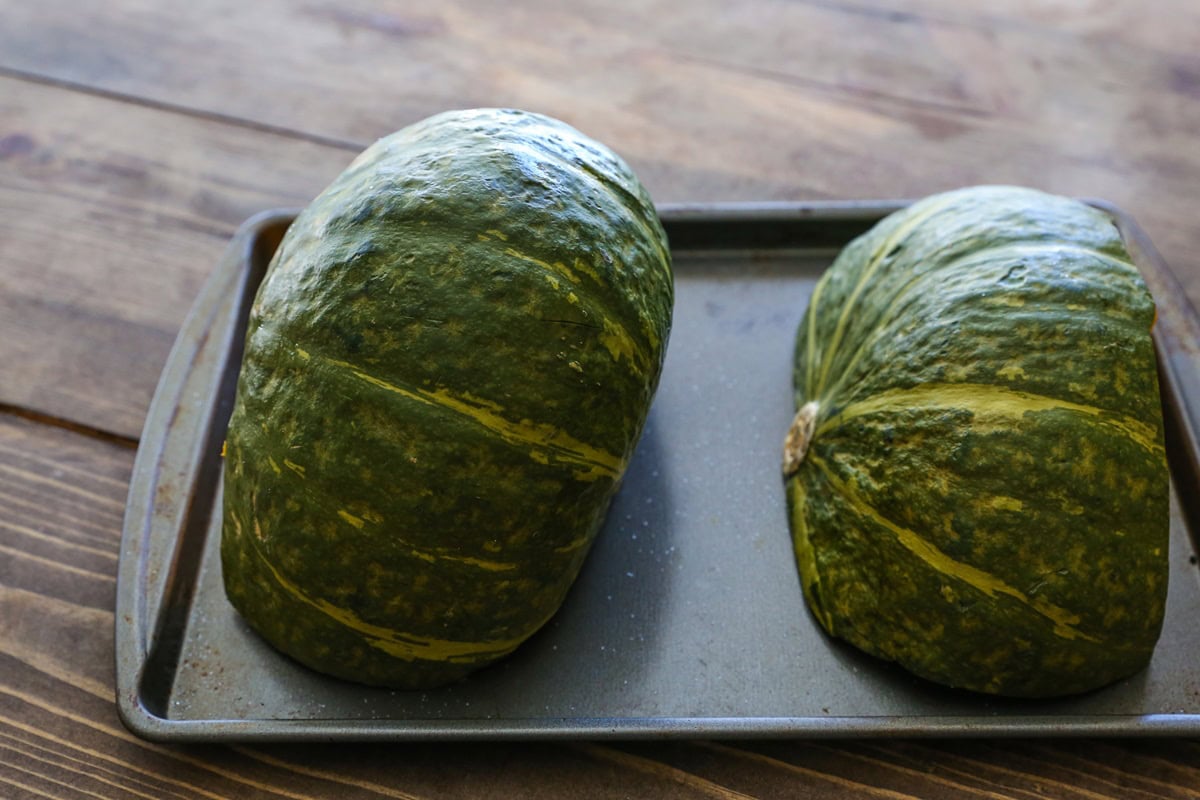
x=166 y=458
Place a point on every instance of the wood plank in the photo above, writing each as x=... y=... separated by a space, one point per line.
x=919 y=103
x=326 y=56
x=758 y=100
x=112 y=215
x=113 y=212
x=61 y=496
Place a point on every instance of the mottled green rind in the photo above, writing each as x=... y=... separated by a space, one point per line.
x=1011 y=537
x=447 y=368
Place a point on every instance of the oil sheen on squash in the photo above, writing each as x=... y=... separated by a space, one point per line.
x=447 y=368
x=976 y=477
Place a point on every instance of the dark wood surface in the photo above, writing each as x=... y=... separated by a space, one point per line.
x=135 y=136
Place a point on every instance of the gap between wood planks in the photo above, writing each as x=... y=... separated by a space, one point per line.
x=175 y=108
x=82 y=429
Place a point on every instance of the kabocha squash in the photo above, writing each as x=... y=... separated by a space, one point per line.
x=976 y=474
x=446 y=370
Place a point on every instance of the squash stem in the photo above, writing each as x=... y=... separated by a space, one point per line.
x=795 y=445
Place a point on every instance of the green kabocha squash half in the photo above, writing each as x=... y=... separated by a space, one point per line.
x=446 y=370
x=976 y=474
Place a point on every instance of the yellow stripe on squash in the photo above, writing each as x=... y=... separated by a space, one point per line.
x=991 y=405
x=400 y=644
x=615 y=339
x=596 y=462
x=921 y=214
x=1064 y=621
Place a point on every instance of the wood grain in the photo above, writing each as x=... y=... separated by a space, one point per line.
x=62 y=495
x=112 y=214
x=758 y=100
x=136 y=135
x=119 y=190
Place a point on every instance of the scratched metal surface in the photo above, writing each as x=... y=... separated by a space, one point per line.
x=687 y=620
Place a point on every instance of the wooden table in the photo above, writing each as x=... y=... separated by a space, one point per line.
x=136 y=135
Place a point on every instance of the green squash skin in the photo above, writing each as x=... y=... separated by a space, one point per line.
x=447 y=368
x=984 y=498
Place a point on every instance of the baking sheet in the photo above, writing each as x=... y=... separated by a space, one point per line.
x=688 y=619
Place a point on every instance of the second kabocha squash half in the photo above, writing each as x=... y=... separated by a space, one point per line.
x=976 y=474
